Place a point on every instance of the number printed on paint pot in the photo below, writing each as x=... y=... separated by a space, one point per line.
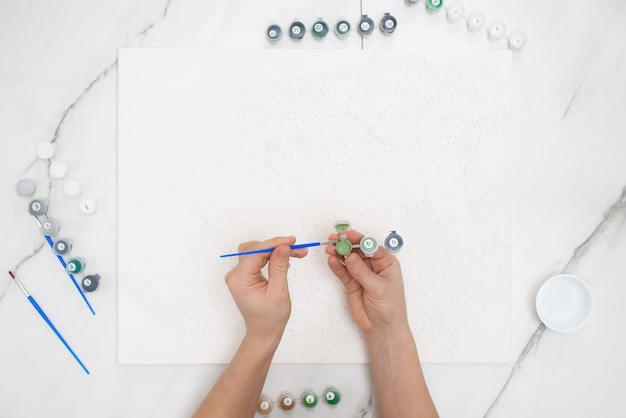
x=393 y=242
x=87 y=282
x=365 y=26
x=343 y=27
x=287 y=401
x=389 y=23
x=310 y=398
x=330 y=396
x=318 y=27
x=295 y=30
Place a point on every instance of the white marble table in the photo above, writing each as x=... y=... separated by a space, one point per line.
x=58 y=83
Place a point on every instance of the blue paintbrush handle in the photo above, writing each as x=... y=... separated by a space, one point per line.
x=71 y=275
x=58 y=334
x=269 y=250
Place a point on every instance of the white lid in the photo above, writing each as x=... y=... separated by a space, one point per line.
x=475 y=21
x=517 y=40
x=45 y=150
x=87 y=205
x=58 y=170
x=496 y=31
x=564 y=303
x=455 y=12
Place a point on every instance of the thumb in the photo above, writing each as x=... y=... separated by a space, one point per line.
x=360 y=271
x=277 y=269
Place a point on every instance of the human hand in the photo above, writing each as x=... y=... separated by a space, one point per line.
x=265 y=304
x=374 y=287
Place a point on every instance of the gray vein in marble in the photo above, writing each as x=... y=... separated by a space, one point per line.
x=17 y=267
x=78 y=99
x=618 y=208
x=163 y=16
x=569 y=106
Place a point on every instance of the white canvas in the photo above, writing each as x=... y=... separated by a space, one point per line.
x=217 y=147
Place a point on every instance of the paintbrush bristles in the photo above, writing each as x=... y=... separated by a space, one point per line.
x=11 y=274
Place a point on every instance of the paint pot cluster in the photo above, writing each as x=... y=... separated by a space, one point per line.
x=368 y=243
x=342 y=28
x=476 y=22
x=50 y=227
x=308 y=399
x=59 y=170
x=365 y=26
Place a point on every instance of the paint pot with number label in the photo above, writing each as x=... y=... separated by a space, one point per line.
x=517 y=40
x=37 y=207
x=62 y=246
x=388 y=24
x=50 y=227
x=475 y=22
x=368 y=245
x=297 y=30
x=433 y=5
x=90 y=282
x=25 y=187
x=343 y=247
x=366 y=25
x=332 y=396
x=265 y=405
x=455 y=12
x=342 y=28
x=496 y=31
x=274 y=33
x=319 y=29
x=75 y=265
x=87 y=206
x=393 y=242
x=286 y=401
x=309 y=398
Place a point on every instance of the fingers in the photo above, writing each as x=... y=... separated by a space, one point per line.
x=277 y=270
x=253 y=263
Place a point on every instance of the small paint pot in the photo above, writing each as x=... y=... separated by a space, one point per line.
x=366 y=25
x=433 y=5
x=273 y=33
x=309 y=399
x=297 y=30
x=26 y=187
x=475 y=22
x=75 y=265
x=343 y=247
x=332 y=396
x=319 y=29
x=496 y=31
x=287 y=401
x=342 y=28
x=368 y=245
x=50 y=227
x=393 y=242
x=62 y=246
x=37 y=207
x=517 y=40
x=265 y=405
x=455 y=12
x=388 y=24
x=90 y=282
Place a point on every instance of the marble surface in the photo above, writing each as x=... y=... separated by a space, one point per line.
x=58 y=83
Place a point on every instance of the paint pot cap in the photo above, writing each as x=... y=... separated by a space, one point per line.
x=274 y=33
x=25 y=187
x=366 y=25
x=50 y=227
x=319 y=29
x=37 y=207
x=455 y=12
x=517 y=40
x=46 y=150
x=87 y=205
x=90 y=282
x=342 y=28
x=297 y=30
x=475 y=21
x=496 y=31
x=58 y=170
